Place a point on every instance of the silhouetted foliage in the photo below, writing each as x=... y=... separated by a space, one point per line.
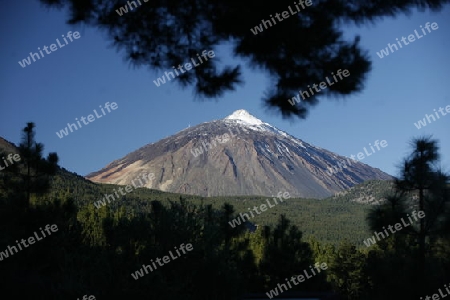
x=95 y=250
x=421 y=186
x=32 y=173
x=298 y=51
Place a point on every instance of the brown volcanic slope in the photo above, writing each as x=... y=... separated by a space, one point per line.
x=258 y=160
x=7 y=146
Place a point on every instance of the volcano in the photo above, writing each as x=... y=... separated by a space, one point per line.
x=237 y=155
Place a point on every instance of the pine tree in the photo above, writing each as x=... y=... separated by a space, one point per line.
x=421 y=186
x=301 y=50
x=36 y=172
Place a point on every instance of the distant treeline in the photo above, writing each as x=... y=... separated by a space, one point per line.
x=95 y=251
x=330 y=220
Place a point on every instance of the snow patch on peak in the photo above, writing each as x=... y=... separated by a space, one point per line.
x=244 y=116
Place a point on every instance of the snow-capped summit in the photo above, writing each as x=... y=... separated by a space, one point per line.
x=244 y=116
x=238 y=155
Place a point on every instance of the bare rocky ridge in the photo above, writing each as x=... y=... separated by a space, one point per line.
x=7 y=146
x=258 y=159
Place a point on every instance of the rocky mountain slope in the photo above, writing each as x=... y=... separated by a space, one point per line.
x=238 y=155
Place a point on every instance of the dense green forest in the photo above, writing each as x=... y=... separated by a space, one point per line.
x=95 y=251
x=330 y=220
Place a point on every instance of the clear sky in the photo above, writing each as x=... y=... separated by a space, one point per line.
x=88 y=72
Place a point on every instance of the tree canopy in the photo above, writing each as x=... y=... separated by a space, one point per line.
x=300 y=50
x=424 y=187
x=96 y=251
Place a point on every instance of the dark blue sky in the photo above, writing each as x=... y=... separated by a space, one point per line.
x=86 y=73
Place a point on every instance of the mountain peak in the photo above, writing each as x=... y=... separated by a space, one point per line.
x=244 y=116
x=258 y=159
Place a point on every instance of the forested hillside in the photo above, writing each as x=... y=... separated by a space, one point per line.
x=370 y=192
x=110 y=252
x=330 y=220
